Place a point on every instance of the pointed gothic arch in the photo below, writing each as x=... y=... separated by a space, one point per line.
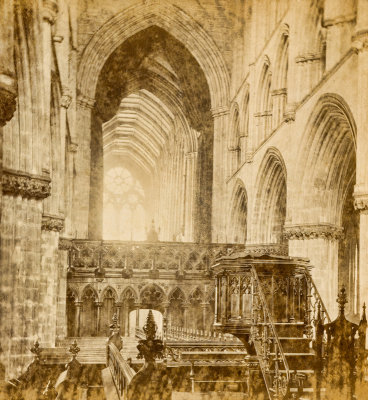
x=269 y=210
x=173 y=20
x=152 y=296
x=328 y=156
x=237 y=224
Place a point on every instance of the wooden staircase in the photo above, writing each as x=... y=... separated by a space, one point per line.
x=272 y=304
x=300 y=358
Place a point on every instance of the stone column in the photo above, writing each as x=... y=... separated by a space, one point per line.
x=78 y=305
x=360 y=42
x=118 y=306
x=98 y=305
x=220 y=120
x=361 y=204
x=278 y=106
x=166 y=306
x=8 y=94
x=137 y=308
x=8 y=84
x=49 y=14
x=82 y=166
x=204 y=307
x=185 y=314
x=190 y=186
x=126 y=319
x=319 y=243
x=233 y=154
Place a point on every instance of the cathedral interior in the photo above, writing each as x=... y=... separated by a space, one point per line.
x=184 y=195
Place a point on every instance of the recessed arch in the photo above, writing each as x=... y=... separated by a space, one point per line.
x=237 y=224
x=90 y=292
x=328 y=157
x=270 y=202
x=264 y=101
x=234 y=138
x=109 y=292
x=196 y=295
x=152 y=296
x=177 y=294
x=326 y=180
x=129 y=294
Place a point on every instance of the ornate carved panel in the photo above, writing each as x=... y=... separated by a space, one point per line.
x=313 y=231
x=17 y=183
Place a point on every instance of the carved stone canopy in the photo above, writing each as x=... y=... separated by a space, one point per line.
x=361 y=201
x=27 y=185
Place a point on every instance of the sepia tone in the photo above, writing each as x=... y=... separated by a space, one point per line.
x=184 y=199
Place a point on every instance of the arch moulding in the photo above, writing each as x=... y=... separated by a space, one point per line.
x=174 y=21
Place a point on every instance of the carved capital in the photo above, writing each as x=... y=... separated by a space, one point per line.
x=17 y=183
x=65 y=244
x=361 y=201
x=249 y=156
x=313 y=231
x=360 y=40
x=50 y=10
x=8 y=96
x=66 y=98
x=290 y=110
x=52 y=223
x=86 y=102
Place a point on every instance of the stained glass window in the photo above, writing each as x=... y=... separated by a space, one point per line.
x=124 y=213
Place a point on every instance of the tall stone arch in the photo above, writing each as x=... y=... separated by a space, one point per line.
x=325 y=226
x=104 y=42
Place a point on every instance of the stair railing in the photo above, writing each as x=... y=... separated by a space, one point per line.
x=121 y=372
x=182 y=334
x=263 y=336
x=314 y=305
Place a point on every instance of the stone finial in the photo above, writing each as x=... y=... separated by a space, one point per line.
x=115 y=325
x=152 y=234
x=150 y=328
x=150 y=348
x=74 y=349
x=364 y=317
x=342 y=300
x=36 y=349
